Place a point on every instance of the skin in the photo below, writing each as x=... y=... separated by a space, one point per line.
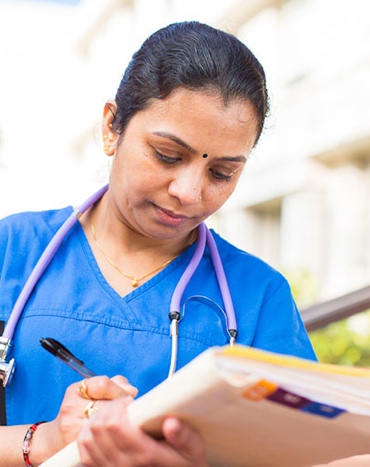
x=179 y=129
x=110 y=439
x=52 y=436
x=161 y=188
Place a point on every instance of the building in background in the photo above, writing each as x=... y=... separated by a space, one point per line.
x=303 y=203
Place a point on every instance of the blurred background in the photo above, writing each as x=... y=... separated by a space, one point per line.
x=303 y=204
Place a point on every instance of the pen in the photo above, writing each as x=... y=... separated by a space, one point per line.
x=61 y=352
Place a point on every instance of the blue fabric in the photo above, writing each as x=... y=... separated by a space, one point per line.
x=74 y=304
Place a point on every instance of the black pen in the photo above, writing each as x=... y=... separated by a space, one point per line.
x=60 y=351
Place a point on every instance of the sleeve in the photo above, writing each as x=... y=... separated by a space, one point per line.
x=5 y=295
x=280 y=327
x=4 y=236
x=17 y=253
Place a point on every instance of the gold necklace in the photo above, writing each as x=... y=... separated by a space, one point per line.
x=134 y=280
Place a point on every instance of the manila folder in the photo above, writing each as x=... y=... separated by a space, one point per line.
x=259 y=409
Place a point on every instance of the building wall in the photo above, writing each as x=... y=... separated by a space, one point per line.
x=313 y=164
x=303 y=203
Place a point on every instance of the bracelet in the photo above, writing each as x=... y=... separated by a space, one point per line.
x=26 y=446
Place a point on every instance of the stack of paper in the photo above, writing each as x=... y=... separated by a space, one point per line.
x=256 y=408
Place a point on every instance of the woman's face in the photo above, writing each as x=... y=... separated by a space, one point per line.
x=178 y=161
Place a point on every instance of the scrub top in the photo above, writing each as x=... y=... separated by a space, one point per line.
x=74 y=304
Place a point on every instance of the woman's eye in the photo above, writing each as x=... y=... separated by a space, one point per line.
x=166 y=159
x=220 y=175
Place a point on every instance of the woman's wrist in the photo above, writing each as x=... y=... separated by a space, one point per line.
x=41 y=444
x=27 y=443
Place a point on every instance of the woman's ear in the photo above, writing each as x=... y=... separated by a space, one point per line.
x=109 y=135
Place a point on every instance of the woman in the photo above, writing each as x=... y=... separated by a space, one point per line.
x=189 y=109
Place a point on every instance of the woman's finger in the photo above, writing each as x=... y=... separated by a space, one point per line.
x=125 y=385
x=102 y=387
x=184 y=440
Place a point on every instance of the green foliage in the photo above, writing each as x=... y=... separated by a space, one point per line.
x=345 y=342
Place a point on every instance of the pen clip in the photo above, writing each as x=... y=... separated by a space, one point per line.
x=59 y=350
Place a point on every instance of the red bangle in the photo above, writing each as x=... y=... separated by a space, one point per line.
x=26 y=447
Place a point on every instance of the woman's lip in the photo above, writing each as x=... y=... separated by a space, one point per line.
x=172 y=214
x=169 y=217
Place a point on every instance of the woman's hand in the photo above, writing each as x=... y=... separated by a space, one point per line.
x=81 y=400
x=110 y=439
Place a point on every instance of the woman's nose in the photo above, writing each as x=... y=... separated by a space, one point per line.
x=187 y=187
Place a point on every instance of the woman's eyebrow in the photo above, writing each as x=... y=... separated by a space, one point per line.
x=182 y=143
x=233 y=159
x=175 y=139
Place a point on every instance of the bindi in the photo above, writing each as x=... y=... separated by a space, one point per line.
x=205 y=156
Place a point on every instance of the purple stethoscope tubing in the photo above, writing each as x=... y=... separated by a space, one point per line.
x=44 y=261
x=204 y=238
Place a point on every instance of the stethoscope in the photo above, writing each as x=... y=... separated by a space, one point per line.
x=204 y=238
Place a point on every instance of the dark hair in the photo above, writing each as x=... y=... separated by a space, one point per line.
x=194 y=56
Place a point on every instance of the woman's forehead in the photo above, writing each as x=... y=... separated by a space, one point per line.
x=201 y=122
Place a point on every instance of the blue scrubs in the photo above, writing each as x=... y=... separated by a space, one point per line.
x=74 y=304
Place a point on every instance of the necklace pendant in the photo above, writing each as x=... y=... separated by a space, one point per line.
x=134 y=282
